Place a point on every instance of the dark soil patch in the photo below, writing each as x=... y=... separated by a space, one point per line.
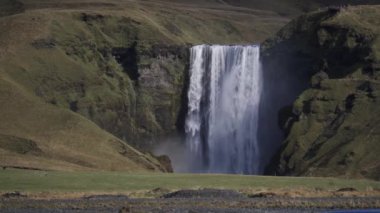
x=204 y=193
x=349 y=189
x=19 y=145
x=262 y=195
x=15 y=194
x=107 y=197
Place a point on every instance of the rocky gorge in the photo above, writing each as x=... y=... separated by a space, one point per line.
x=127 y=73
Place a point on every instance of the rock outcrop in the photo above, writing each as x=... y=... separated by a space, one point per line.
x=138 y=86
x=329 y=64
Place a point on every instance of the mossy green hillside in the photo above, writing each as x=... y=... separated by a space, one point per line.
x=40 y=136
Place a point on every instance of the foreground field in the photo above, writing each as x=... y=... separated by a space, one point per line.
x=120 y=182
x=48 y=191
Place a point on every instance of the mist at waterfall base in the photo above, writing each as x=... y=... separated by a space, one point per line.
x=225 y=111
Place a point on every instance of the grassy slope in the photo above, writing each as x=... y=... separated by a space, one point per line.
x=207 y=22
x=294 y=7
x=36 y=135
x=287 y=8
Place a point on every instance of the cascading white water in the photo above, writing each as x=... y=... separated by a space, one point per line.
x=222 y=120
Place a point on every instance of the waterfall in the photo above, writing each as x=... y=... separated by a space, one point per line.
x=222 y=120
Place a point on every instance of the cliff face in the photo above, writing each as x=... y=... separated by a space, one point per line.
x=97 y=66
x=331 y=123
x=134 y=89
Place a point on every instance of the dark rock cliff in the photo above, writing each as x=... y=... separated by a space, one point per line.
x=328 y=63
x=136 y=92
